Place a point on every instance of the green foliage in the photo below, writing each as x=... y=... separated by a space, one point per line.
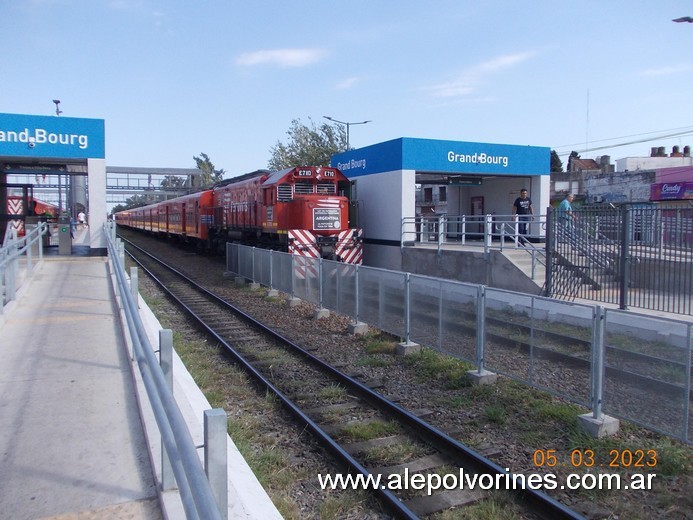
x=365 y=431
x=209 y=174
x=137 y=201
x=308 y=145
x=556 y=163
x=173 y=181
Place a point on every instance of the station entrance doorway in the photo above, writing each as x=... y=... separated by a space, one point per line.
x=56 y=194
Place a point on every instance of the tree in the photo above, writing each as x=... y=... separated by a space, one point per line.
x=173 y=181
x=308 y=145
x=573 y=156
x=556 y=164
x=209 y=174
x=137 y=201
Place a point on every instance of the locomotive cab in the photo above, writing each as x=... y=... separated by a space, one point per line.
x=304 y=206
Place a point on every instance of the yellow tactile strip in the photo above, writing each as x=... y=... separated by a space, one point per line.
x=147 y=509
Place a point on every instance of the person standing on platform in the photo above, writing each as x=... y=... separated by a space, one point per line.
x=82 y=219
x=522 y=207
x=565 y=211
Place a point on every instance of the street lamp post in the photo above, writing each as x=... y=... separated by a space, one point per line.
x=347 y=125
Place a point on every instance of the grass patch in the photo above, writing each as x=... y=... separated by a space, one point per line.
x=495 y=414
x=429 y=364
x=381 y=346
x=393 y=454
x=365 y=431
x=346 y=505
x=332 y=394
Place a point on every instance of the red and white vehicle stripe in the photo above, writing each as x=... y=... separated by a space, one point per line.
x=349 y=246
x=15 y=206
x=303 y=243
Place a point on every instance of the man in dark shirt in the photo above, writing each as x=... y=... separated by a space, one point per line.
x=522 y=207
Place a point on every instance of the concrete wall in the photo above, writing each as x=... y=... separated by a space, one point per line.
x=650 y=163
x=383 y=256
x=619 y=187
x=471 y=267
x=384 y=200
x=96 y=169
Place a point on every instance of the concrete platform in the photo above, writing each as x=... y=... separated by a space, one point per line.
x=71 y=439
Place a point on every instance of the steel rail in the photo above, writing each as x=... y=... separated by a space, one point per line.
x=541 y=502
x=323 y=438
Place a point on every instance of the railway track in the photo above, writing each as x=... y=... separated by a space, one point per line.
x=347 y=416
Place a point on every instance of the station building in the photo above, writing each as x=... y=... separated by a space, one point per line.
x=67 y=149
x=479 y=178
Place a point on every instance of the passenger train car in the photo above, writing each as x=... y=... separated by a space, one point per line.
x=301 y=210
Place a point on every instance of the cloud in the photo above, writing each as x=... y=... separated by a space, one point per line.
x=281 y=57
x=666 y=71
x=347 y=83
x=468 y=82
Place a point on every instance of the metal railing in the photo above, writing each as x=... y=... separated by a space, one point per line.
x=574 y=351
x=633 y=256
x=196 y=491
x=16 y=250
x=501 y=232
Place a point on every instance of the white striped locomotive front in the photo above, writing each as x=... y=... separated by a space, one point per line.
x=345 y=246
x=308 y=206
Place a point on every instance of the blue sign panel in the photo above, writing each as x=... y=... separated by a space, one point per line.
x=51 y=136
x=382 y=157
x=458 y=157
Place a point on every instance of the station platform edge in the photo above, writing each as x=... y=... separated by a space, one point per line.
x=77 y=434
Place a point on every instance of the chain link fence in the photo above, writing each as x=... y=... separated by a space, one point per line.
x=629 y=365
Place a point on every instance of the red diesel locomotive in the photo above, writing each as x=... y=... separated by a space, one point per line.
x=301 y=210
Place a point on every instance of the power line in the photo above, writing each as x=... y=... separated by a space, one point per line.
x=678 y=128
x=686 y=130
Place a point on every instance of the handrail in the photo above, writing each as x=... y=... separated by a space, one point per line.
x=488 y=231
x=196 y=493
x=463 y=228
x=12 y=248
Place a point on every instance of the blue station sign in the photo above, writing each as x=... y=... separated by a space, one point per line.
x=438 y=156
x=51 y=136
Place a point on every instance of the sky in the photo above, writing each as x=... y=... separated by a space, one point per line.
x=173 y=79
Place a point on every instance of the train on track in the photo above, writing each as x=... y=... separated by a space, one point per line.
x=26 y=206
x=301 y=210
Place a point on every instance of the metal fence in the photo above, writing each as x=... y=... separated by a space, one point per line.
x=633 y=256
x=628 y=365
x=201 y=498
